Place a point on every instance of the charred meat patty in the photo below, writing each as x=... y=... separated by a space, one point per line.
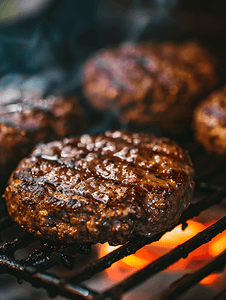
x=101 y=188
x=151 y=83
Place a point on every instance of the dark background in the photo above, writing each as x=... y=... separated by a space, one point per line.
x=50 y=46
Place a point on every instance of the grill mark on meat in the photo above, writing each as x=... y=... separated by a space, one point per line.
x=133 y=176
x=87 y=190
x=84 y=177
x=96 y=155
x=125 y=152
x=109 y=145
x=88 y=163
x=153 y=146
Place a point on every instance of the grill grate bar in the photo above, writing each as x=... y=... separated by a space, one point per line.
x=189 y=280
x=52 y=283
x=135 y=244
x=48 y=256
x=105 y=262
x=171 y=257
x=58 y=286
x=195 y=209
x=18 y=243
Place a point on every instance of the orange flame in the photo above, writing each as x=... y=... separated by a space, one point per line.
x=170 y=240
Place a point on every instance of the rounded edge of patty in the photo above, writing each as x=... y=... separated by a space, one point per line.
x=209 y=122
x=27 y=118
x=101 y=188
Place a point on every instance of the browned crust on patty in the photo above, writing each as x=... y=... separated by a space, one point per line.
x=26 y=119
x=210 y=122
x=101 y=188
x=151 y=83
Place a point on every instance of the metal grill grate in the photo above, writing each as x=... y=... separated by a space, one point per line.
x=34 y=268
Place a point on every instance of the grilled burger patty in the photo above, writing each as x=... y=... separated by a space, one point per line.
x=151 y=83
x=209 y=122
x=101 y=188
x=27 y=118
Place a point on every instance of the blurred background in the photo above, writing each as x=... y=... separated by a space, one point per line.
x=44 y=43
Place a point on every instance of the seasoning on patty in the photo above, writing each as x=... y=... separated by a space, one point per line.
x=109 y=187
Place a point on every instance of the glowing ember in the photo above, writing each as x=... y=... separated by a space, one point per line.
x=218 y=244
x=170 y=240
x=211 y=279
